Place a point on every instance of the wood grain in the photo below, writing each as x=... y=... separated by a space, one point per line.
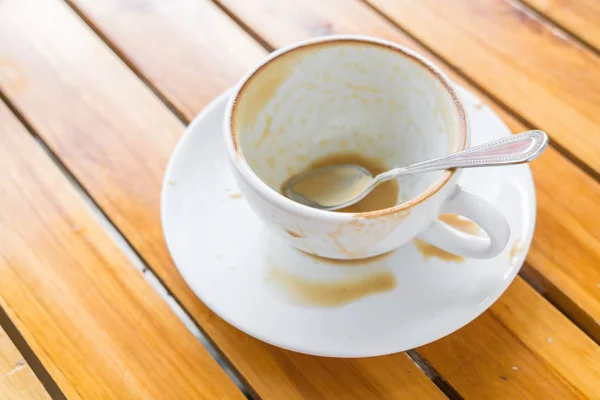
x=211 y=53
x=17 y=380
x=114 y=134
x=307 y=18
x=580 y=17
x=536 y=71
x=96 y=325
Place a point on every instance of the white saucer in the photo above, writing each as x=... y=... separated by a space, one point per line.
x=223 y=252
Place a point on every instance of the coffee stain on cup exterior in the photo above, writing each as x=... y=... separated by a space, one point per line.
x=334 y=237
x=300 y=235
x=516 y=250
x=354 y=226
x=456 y=221
x=335 y=293
x=368 y=232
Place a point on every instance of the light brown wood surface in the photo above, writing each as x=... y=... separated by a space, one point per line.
x=315 y=18
x=17 y=380
x=537 y=72
x=579 y=17
x=96 y=325
x=115 y=136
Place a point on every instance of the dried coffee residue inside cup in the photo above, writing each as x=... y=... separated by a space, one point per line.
x=456 y=221
x=383 y=196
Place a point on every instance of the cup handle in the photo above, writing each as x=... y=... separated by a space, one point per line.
x=480 y=211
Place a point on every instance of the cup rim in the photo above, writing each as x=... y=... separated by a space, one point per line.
x=274 y=197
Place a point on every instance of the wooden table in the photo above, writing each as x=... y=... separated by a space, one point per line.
x=94 y=95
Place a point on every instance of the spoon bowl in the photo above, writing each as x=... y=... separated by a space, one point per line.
x=332 y=187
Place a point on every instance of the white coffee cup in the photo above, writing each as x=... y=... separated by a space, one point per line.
x=371 y=96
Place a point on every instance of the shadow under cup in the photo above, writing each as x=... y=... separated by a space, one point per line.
x=345 y=96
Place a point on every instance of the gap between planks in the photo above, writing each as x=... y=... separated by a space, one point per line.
x=251 y=32
x=30 y=358
x=433 y=375
x=136 y=261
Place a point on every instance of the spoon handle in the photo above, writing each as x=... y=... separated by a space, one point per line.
x=520 y=148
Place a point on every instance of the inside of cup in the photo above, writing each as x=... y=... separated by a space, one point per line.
x=345 y=96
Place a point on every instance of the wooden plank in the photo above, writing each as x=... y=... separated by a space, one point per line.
x=534 y=70
x=580 y=17
x=303 y=19
x=115 y=136
x=17 y=380
x=99 y=329
x=520 y=348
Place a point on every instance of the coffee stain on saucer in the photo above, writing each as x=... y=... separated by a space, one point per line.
x=332 y=293
x=235 y=195
x=516 y=250
x=456 y=221
x=428 y=251
x=333 y=283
